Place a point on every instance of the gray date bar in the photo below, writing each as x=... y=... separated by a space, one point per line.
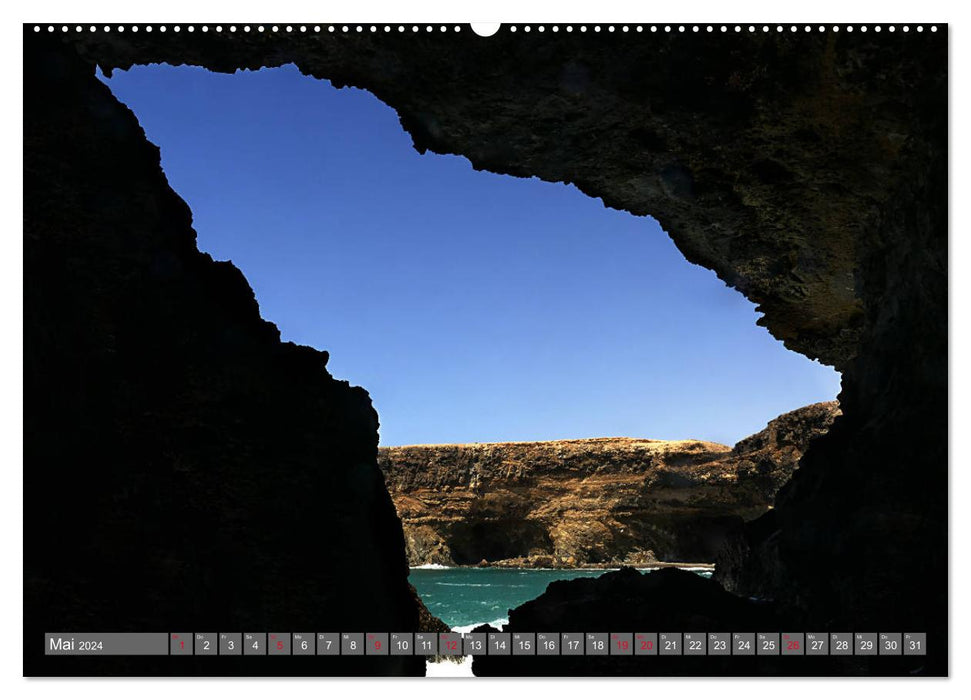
x=107 y=644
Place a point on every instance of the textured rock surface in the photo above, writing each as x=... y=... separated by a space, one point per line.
x=184 y=469
x=590 y=502
x=809 y=170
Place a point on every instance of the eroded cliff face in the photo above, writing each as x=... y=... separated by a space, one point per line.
x=809 y=170
x=590 y=502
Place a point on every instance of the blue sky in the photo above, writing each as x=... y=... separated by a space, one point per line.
x=474 y=307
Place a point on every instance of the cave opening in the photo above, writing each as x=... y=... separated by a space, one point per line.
x=475 y=541
x=478 y=309
x=473 y=307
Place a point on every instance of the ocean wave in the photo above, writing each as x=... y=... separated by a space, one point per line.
x=431 y=566
x=449 y=669
x=463 y=585
x=468 y=628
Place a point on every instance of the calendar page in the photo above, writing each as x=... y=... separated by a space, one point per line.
x=518 y=349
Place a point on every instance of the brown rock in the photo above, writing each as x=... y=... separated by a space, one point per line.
x=590 y=502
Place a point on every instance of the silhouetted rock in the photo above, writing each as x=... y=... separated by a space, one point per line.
x=670 y=600
x=183 y=468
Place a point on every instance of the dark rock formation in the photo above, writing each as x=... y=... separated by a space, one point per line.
x=599 y=502
x=765 y=461
x=670 y=600
x=809 y=170
x=184 y=469
x=768 y=157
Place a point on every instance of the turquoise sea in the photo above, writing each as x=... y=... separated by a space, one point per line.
x=467 y=597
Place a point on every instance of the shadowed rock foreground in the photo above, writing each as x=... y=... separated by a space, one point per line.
x=182 y=465
x=670 y=600
x=596 y=502
x=184 y=469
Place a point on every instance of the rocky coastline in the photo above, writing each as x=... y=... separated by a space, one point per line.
x=597 y=503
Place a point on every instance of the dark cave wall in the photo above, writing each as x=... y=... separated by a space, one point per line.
x=881 y=475
x=769 y=158
x=808 y=170
x=184 y=469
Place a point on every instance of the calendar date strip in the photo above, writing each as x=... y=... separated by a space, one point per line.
x=487 y=643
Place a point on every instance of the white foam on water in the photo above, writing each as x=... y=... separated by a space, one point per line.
x=431 y=566
x=450 y=669
x=498 y=623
